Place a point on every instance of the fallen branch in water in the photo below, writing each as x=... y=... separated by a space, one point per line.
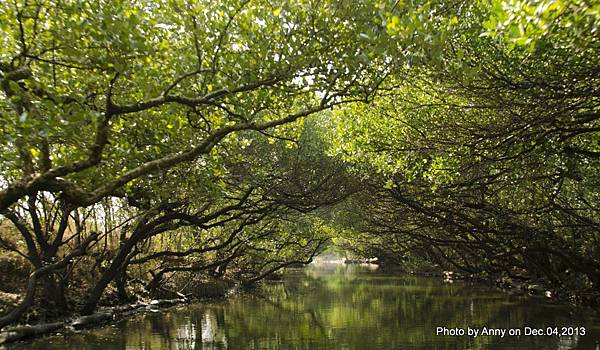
x=99 y=318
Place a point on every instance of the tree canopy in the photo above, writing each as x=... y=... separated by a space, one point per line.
x=145 y=141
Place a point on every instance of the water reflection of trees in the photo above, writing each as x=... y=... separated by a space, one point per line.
x=328 y=311
x=341 y=310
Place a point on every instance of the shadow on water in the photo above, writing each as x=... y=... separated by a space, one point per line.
x=341 y=307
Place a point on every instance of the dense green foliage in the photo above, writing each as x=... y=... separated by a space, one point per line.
x=489 y=162
x=144 y=139
x=145 y=142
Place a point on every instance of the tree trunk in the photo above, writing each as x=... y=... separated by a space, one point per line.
x=54 y=293
x=18 y=311
x=121 y=282
x=107 y=276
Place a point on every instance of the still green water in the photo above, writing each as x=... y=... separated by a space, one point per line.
x=341 y=307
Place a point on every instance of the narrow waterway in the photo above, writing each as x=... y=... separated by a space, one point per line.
x=346 y=307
